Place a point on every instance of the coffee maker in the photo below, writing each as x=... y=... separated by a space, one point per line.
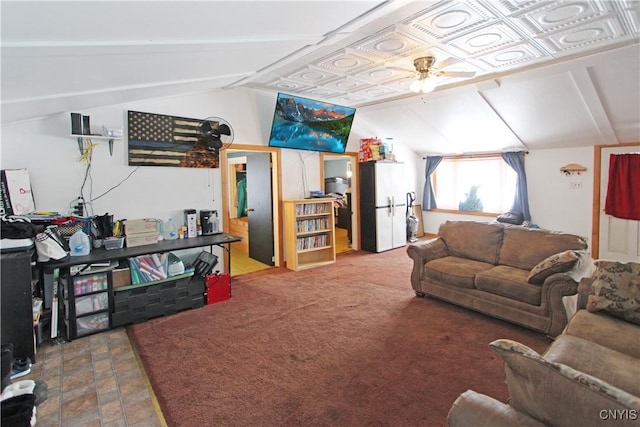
x=209 y=222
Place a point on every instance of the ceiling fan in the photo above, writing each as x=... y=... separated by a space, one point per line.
x=216 y=132
x=427 y=73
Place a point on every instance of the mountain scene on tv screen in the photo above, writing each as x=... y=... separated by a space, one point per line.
x=311 y=125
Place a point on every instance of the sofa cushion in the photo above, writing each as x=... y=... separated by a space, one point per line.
x=556 y=263
x=608 y=331
x=455 y=271
x=479 y=241
x=616 y=289
x=509 y=282
x=526 y=247
x=616 y=368
x=557 y=394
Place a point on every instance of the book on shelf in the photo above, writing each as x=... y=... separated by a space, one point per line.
x=312 y=242
x=312 y=208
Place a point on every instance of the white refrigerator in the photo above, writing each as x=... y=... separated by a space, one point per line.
x=382 y=206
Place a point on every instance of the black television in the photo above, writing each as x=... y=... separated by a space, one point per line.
x=306 y=124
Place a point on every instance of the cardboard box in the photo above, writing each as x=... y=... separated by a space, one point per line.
x=369 y=150
x=121 y=277
x=138 y=226
x=141 y=239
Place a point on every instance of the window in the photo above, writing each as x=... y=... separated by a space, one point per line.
x=482 y=184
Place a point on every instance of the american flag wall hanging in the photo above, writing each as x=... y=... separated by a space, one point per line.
x=160 y=140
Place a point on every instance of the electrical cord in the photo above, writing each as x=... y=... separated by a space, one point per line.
x=117 y=185
x=86 y=156
x=304 y=174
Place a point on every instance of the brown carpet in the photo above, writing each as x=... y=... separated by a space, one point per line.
x=343 y=345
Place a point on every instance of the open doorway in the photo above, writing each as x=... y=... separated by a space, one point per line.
x=339 y=177
x=251 y=189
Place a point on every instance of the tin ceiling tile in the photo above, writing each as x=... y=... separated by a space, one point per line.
x=451 y=19
x=311 y=76
x=321 y=92
x=345 y=84
x=511 y=57
x=555 y=16
x=343 y=62
x=286 y=85
x=486 y=39
x=379 y=75
x=593 y=34
x=391 y=43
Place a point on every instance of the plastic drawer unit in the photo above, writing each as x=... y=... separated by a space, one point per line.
x=86 y=304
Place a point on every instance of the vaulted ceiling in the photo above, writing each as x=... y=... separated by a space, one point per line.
x=547 y=73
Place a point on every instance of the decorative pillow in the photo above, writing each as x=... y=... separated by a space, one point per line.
x=557 y=263
x=616 y=290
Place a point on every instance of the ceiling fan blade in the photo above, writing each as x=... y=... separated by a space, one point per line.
x=403 y=69
x=459 y=73
x=447 y=62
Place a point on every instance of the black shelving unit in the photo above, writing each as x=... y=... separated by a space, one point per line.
x=16 y=303
x=77 y=314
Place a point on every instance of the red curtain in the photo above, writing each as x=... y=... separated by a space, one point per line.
x=623 y=191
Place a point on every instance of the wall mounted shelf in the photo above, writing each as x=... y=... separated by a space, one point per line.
x=99 y=138
x=573 y=168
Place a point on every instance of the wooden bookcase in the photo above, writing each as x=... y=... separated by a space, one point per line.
x=310 y=234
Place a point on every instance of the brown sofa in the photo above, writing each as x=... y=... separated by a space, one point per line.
x=589 y=376
x=508 y=272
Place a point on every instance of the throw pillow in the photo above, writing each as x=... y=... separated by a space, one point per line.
x=616 y=290
x=557 y=263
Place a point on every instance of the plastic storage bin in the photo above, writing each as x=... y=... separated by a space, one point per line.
x=148 y=301
x=114 y=242
x=90 y=303
x=90 y=324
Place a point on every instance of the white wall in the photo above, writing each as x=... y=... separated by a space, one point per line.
x=51 y=155
x=552 y=203
x=46 y=149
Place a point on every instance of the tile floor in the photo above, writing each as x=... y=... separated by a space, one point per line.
x=97 y=381
x=94 y=381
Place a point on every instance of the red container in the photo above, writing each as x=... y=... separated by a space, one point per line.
x=218 y=287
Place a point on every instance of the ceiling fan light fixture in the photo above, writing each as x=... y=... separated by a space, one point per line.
x=424 y=85
x=428 y=85
x=416 y=86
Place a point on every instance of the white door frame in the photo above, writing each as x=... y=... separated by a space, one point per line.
x=599 y=190
x=355 y=191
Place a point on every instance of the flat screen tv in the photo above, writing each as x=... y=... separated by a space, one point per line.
x=305 y=124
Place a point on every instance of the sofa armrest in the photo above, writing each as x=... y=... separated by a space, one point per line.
x=475 y=409
x=554 y=288
x=421 y=254
x=583 y=292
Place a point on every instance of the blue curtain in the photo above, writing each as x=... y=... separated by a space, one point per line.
x=521 y=200
x=428 y=197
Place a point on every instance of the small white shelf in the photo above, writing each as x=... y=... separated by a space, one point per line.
x=99 y=138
